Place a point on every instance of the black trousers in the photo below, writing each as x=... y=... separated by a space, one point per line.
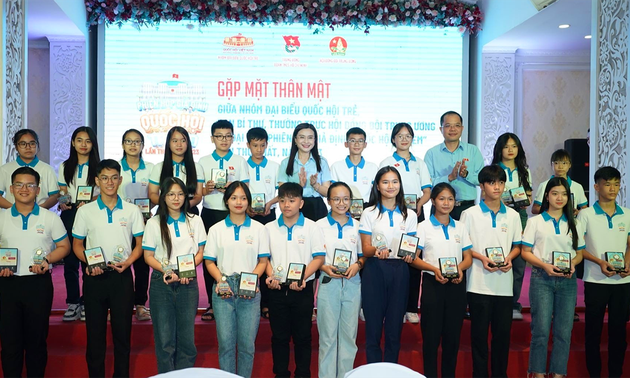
x=458 y=210
x=111 y=291
x=494 y=312
x=264 y=289
x=443 y=309
x=140 y=279
x=210 y=218
x=290 y=318
x=617 y=298
x=71 y=263
x=24 y=310
x=314 y=208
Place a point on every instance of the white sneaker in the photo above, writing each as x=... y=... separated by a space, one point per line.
x=361 y=315
x=516 y=315
x=413 y=317
x=72 y=313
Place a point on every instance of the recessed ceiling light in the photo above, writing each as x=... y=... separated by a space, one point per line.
x=587 y=36
x=564 y=26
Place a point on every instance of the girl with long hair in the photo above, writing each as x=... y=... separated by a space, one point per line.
x=172 y=233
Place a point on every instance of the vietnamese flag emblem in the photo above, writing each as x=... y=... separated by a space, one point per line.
x=292 y=43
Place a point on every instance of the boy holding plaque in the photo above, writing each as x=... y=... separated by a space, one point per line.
x=339 y=293
x=109 y=223
x=40 y=239
x=293 y=238
x=552 y=293
x=236 y=245
x=606 y=285
x=170 y=236
x=442 y=240
x=495 y=233
x=221 y=168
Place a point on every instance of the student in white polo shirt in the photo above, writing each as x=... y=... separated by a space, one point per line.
x=214 y=209
x=293 y=238
x=443 y=300
x=236 y=245
x=417 y=181
x=552 y=293
x=339 y=293
x=27 y=294
x=135 y=184
x=172 y=233
x=26 y=143
x=354 y=170
x=561 y=164
x=385 y=281
x=109 y=223
x=606 y=230
x=491 y=225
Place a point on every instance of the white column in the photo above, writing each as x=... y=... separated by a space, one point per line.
x=67 y=93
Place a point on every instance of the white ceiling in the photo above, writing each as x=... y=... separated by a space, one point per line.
x=541 y=31
x=45 y=18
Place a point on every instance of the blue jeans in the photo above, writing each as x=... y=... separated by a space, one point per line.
x=338 y=304
x=173 y=311
x=237 y=324
x=551 y=297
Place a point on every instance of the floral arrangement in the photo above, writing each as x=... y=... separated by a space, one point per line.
x=320 y=13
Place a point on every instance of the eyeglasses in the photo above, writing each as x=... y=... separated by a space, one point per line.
x=130 y=142
x=224 y=137
x=356 y=141
x=173 y=195
x=338 y=200
x=303 y=138
x=109 y=178
x=564 y=162
x=404 y=137
x=31 y=144
x=20 y=185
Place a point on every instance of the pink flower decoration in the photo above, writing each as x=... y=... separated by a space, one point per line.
x=299 y=9
x=252 y=6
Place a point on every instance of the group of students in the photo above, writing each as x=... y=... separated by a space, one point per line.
x=230 y=238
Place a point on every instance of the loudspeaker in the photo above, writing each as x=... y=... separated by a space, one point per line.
x=541 y=4
x=579 y=151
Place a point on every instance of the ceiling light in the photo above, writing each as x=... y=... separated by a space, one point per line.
x=564 y=26
x=587 y=37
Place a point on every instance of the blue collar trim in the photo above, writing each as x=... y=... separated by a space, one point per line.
x=332 y=221
x=548 y=217
x=350 y=165
x=125 y=165
x=251 y=163
x=32 y=164
x=486 y=209
x=300 y=221
x=436 y=222
x=598 y=209
x=101 y=204
x=15 y=213
x=568 y=180
x=247 y=223
x=182 y=218
x=399 y=158
x=216 y=156
x=383 y=209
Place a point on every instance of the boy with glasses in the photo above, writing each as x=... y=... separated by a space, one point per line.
x=354 y=170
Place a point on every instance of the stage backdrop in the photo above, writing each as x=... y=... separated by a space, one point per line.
x=276 y=77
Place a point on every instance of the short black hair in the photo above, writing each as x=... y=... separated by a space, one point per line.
x=25 y=171
x=450 y=112
x=257 y=133
x=222 y=124
x=397 y=128
x=107 y=164
x=20 y=133
x=607 y=173
x=335 y=185
x=290 y=189
x=355 y=130
x=491 y=173
x=232 y=188
x=560 y=155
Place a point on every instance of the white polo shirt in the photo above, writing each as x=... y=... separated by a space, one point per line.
x=296 y=244
x=237 y=171
x=179 y=171
x=544 y=235
x=486 y=230
x=603 y=233
x=187 y=235
x=513 y=180
x=361 y=176
x=135 y=184
x=236 y=249
x=79 y=179
x=342 y=237
x=437 y=240
x=108 y=229
x=576 y=189
x=414 y=173
x=40 y=229
x=47 y=179
x=263 y=178
x=390 y=224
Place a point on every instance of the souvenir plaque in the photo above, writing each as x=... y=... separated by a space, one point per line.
x=248 y=285
x=562 y=261
x=9 y=259
x=95 y=258
x=278 y=274
x=64 y=197
x=38 y=256
x=495 y=254
x=258 y=203
x=341 y=261
x=119 y=255
x=356 y=208
x=167 y=268
x=506 y=197
x=408 y=245
x=448 y=267
x=617 y=260
x=296 y=273
x=224 y=288
x=379 y=242
x=410 y=201
x=519 y=197
x=84 y=194
x=219 y=177
x=186 y=266
x=144 y=204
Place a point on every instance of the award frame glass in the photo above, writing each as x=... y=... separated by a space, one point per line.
x=341 y=261
x=497 y=256
x=38 y=256
x=258 y=203
x=519 y=197
x=224 y=288
x=408 y=245
x=617 y=260
x=94 y=258
x=145 y=206
x=9 y=259
x=411 y=201
x=562 y=261
x=449 y=267
x=295 y=273
x=248 y=284
x=219 y=177
x=379 y=241
x=506 y=197
x=167 y=268
x=84 y=194
x=118 y=256
x=186 y=266
x=278 y=274
x=356 y=208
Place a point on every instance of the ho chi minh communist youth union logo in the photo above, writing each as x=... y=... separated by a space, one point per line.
x=292 y=43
